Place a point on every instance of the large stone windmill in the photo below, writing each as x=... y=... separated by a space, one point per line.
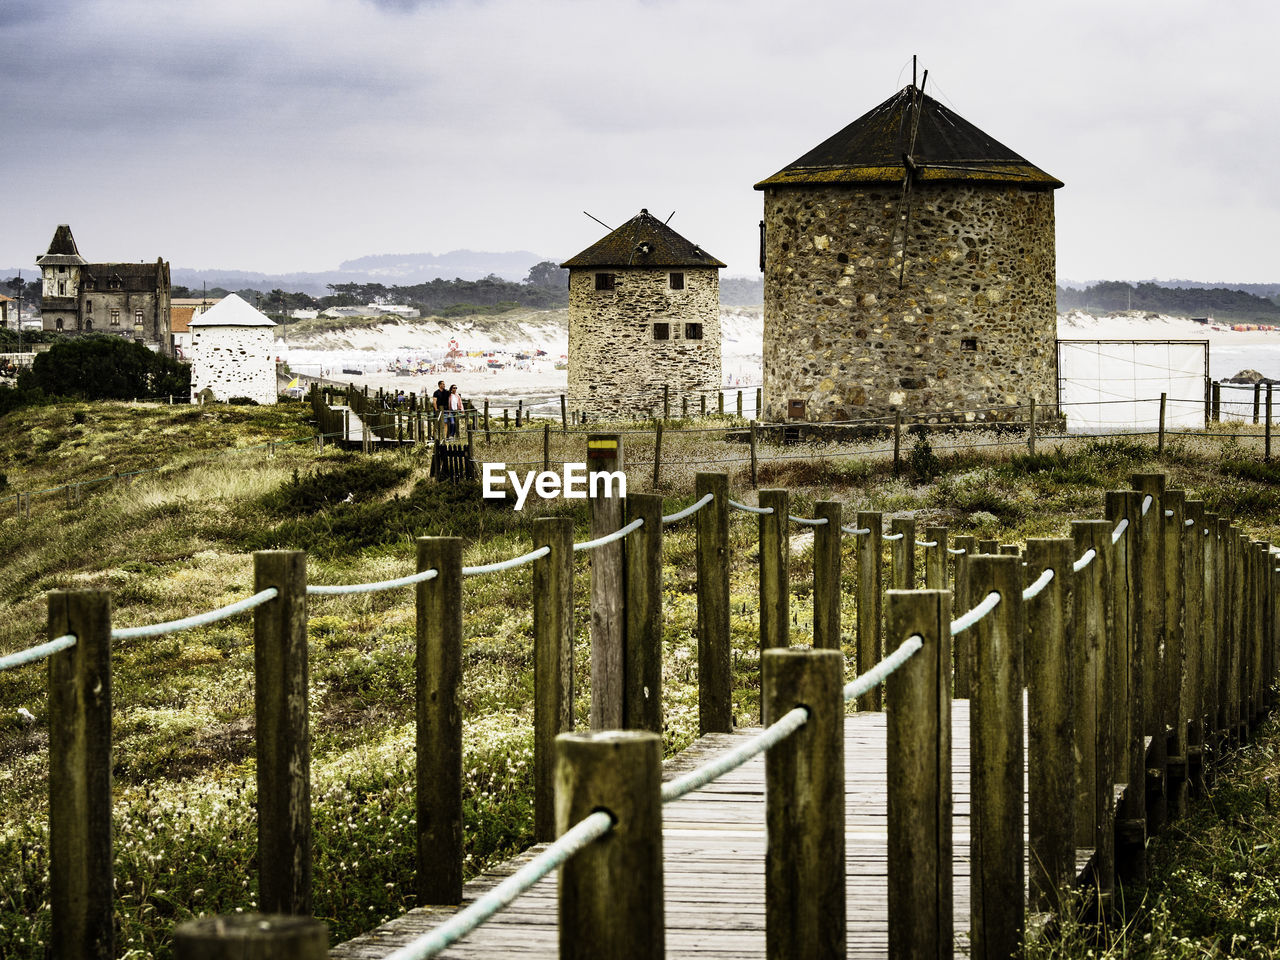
x=908 y=266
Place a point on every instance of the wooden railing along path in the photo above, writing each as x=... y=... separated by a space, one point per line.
x=1143 y=642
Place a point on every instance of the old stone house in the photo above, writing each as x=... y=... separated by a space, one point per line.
x=908 y=266
x=128 y=299
x=232 y=352
x=644 y=312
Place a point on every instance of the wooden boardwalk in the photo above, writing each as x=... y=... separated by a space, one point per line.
x=713 y=856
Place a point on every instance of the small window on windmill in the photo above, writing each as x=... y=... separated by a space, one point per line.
x=604 y=281
x=693 y=331
x=969 y=343
x=677 y=281
x=662 y=331
x=795 y=409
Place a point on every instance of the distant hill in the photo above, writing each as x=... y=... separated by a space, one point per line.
x=1221 y=303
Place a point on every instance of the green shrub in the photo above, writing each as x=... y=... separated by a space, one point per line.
x=357 y=479
x=105 y=368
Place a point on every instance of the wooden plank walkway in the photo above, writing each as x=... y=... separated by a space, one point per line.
x=713 y=856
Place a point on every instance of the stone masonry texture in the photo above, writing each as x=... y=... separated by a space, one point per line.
x=974 y=324
x=616 y=366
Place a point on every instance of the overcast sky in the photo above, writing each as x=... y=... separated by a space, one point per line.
x=281 y=135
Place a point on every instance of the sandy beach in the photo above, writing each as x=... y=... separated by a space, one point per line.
x=526 y=349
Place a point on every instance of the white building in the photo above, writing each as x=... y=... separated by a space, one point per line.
x=232 y=352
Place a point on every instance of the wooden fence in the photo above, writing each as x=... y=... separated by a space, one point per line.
x=1149 y=647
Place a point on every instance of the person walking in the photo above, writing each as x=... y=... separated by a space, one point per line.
x=440 y=402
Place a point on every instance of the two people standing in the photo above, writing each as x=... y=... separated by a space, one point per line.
x=449 y=402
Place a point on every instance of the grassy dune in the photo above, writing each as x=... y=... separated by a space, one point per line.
x=178 y=540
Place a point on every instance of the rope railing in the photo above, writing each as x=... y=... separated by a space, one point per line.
x=877 y=674
x=590 y=829
x=1121 y=527
x=957 y=551
x=618 y=534
x=328 y=590
x=1146 y=504
x=966 y=620
x=807 y=521
x=688 y=511
x=747 y=508
x=775 y=733
x=893 y=536
x=198 y=620
x=507 y=564
x=856 y=531
x=32 y=654
x=926 y=543
x=1041 y=582
x=1086 y=558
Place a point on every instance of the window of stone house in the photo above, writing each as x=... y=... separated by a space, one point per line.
x=693 y=331
x=115 y=318
x=88 y=324
x=88 y=306
x=677 y=281
x=58 y=323
x=62 y=269
x=137 y=318
x=605 y=281
x=662 y=331
x=969 y=343
x=62 y=288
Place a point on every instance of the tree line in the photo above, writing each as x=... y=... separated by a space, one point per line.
x=1220 y=303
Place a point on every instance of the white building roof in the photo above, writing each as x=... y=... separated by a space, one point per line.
x=231 y=311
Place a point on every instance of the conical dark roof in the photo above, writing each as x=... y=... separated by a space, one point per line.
x=62 y=249
x=947 y=148
x=643 y=241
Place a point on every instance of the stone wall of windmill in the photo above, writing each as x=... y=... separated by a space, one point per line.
x=973 y=324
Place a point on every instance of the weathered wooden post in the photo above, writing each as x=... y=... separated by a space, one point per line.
x=552 y=661
x=918 y=761
x=1227 y=618
x=804 y=808
x=1217 y=402
x=657 y=454
x=1160 y=433
x=439 y=721
x=520 y=417
x=997 y=882
x=775 y=556
x=703 y=400
x=684 y=407
x=281 y=689
x=759 y=403
x=897 y=442
x=608 y=670
x=720 y=402
x=611 y=892
x=754 y=474
x=826 y=576
x=1149 y=589
x=1124 y=506
x=739 y=404
x=870 y=590
x=715 y=669
x=1051 y=698
x=903 y=551
x=1267 y=445
x=1257 y=396
x=1031 y=427
x=1193 y=695
x=546 y=446
x=935 y=559
x=666 y=401
x=251 y=936
x=989 y=546
x=1093 y=681
x=642 y=644
x=1174 y=651
x=564 y=415
x=487 y=436
x=81 y=885
x=1207 y=536
x=961 y=603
